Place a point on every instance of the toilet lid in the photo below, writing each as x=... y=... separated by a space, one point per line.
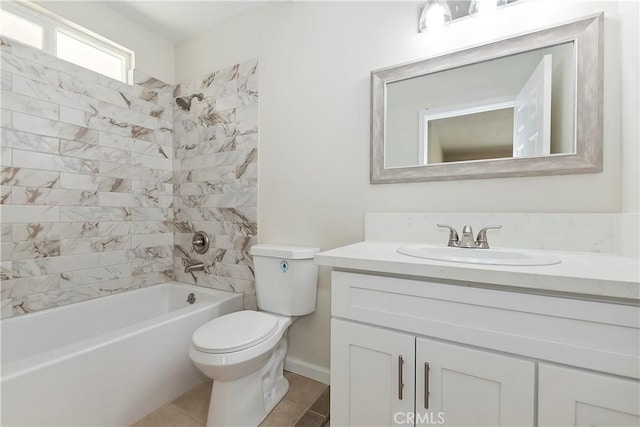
x=234 y=331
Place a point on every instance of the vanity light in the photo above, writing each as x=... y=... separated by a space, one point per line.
x=435 y=14
x=438 y=13
x=485 y=6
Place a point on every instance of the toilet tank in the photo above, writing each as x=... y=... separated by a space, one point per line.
x=286 y=278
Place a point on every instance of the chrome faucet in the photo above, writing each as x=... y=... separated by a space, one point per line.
x=467 y=240
x=194 y=267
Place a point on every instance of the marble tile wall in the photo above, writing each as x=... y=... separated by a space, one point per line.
x=216 y=178
x=87 y=188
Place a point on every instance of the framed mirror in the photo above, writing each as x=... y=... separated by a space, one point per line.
x=523 y=106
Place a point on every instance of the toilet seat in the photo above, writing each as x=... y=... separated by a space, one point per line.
x=234 y=332
x=231 y=366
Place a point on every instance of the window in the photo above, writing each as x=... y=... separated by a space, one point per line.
x=37 y=27
x=20 y=29
x=71 y=48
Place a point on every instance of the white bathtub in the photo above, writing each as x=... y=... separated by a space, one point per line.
x=107 y=361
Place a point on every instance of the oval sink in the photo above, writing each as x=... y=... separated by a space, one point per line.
x=478 y=256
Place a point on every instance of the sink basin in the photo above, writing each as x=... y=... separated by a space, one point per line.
x=478 y=256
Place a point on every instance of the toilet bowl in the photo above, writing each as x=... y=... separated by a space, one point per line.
x=244 y=352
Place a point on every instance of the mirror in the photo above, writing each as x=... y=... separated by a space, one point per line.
x=529 y=105
x=469 y=113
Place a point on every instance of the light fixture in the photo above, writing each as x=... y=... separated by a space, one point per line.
x=485 y=6
x=435 y=14
x=438 y=13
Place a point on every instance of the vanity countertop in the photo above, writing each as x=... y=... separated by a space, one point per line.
x=582 y=273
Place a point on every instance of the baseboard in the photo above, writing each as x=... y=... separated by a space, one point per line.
x=309 y=370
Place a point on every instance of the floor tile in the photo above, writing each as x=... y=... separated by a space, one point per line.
x=169 y=415
x=285 y=414
x=196 y=401
x=321 y=405
x=310 y=419
x=191 y=409
x=303 y=391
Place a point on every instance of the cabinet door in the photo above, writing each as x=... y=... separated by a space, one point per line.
x=372 y=375
x=460 y=386
x=571 y=397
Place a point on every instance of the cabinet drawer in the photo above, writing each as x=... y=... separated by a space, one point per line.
x=595 y=335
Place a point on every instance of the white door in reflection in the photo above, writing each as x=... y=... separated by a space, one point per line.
x=532 y=118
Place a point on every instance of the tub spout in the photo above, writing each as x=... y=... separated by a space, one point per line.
x=194 y=267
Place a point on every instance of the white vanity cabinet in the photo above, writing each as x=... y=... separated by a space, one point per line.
x=577 y=398
x=471 y=387
x=478 y=355
x=373 y=375
x=379 y=375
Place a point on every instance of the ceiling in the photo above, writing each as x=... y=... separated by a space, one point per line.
x=179 y=20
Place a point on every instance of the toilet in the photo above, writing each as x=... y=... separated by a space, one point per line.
x=244 y=352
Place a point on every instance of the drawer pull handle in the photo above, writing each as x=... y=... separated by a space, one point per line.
x=426 y=385
x=400 y=376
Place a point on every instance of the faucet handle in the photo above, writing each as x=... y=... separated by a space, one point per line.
x=481 y=241
x=453 y=235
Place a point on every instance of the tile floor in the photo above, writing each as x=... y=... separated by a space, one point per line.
x=305 y=405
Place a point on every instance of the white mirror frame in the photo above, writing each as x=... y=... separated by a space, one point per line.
x=586 y=34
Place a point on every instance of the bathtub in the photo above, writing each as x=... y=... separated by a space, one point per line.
x=107 y=361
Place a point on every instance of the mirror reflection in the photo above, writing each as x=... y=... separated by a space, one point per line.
x=517 y=106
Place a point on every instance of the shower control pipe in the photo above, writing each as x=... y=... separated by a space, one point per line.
x=194 y=267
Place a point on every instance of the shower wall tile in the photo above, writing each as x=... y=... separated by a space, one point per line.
x=5 y=81
x=5 y=118
x=51 y=162
x=95 y=244
x=134 y=91
x=134 y=145
x=12 y=214
x=28 y=141
x=5 y=195
x=87 y=182
x=28 y=177
x=17 y=288
x=52 y=128
x=49 y=265
x=52 y=231
x=79 y=149
x=5 y=233
x=215 y=178
x=116 y=257
x=74 y=181
x=14 y=65
x=90 y=166
x=24 y=104
x=52 y=197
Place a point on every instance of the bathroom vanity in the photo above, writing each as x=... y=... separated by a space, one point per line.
x=420 y=342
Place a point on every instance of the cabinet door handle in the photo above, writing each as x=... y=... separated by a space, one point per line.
x=426 y=385
x=400 y=376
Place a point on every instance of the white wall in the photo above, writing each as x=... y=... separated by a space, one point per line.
x=314 y=118
x=154 y=54
x=630 y=75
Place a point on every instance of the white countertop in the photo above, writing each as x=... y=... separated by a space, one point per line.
x=602 y=275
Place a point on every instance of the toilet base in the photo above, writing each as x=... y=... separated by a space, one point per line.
x=248 y=400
